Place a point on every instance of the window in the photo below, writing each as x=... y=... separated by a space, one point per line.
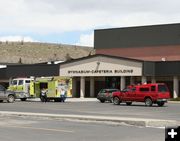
x=144 y=89
x=27 y=81
x=162 y=88
x=20 y=82
x=125 y=90
x=14 y=82
x=133 y=89
x=103 y=91
x=2 y=88
x=153 y=88
x=114 y=90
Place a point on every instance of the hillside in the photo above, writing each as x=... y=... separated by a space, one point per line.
x=29 y=52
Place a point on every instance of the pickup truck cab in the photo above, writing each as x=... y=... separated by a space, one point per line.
x=7 y=95
x=150 y=94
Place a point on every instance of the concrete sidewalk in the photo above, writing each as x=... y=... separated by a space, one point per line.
x=87 y=100
x=70 y=99
x=81 y=99
x=105 y=119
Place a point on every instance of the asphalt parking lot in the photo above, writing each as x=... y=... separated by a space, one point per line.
x=33 y=129
x=171 y=111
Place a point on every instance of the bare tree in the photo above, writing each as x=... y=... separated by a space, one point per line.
x=68 y=57
x=20 y=61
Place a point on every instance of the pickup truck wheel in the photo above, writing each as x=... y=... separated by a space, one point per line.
x=160 y=104
x=11 y=99
x=128 y=103
x=148 y=102
x=1 y=100
x=116 y=101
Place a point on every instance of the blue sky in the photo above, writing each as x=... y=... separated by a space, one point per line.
x=74 y=21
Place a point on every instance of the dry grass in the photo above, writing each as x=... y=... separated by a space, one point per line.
x=11 y=52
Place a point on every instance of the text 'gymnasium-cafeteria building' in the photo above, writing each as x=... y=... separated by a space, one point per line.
x=124 y=56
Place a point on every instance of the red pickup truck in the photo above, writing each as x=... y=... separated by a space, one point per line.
x=156 y=93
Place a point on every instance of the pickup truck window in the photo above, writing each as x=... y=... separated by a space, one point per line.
x=125 y=90
x=162 y=88
x=153 y=88
x=133 y=89
x=129 y=89
x=144 y=89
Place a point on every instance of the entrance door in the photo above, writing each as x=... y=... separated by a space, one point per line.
x=112 y=82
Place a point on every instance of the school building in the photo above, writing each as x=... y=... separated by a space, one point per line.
x=126 y=56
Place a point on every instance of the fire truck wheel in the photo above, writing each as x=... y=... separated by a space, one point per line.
x=11 y=99
x=23 y=99
x=128 y=103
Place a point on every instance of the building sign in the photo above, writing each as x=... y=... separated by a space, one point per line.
x=121 y=71
x=101 y=66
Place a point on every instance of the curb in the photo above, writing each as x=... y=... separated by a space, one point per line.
x=70 y=100
x=116 y=120
x=176 y=102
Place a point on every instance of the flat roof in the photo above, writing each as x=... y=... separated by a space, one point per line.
x=139 y=36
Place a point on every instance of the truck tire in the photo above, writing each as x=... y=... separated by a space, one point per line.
x=116 y=100
x=57 y=100
x=11 y=99
x=1 y=101
x=148 y=102
x=23 y=99
x=128 y=103
x=160 y=104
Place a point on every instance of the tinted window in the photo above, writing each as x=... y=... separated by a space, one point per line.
x=129 y=89
x=144 y=89
x=162 y=88
x=153 y=88
x=125 y=90
x=20 y=82
x=133 y=89
x=14 y=82
x=27 y=81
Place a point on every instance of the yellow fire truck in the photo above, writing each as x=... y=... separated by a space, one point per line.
x=31 y=87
